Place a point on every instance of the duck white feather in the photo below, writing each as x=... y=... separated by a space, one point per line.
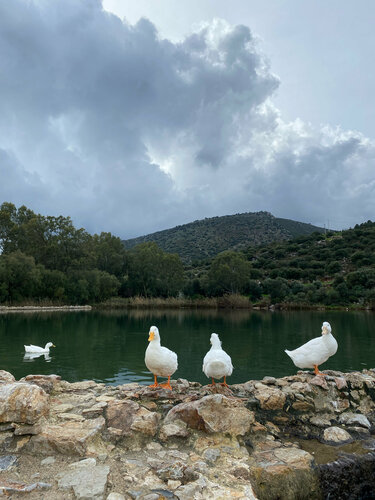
x=316 y=351
x=36 y=349
x=161 y=361
x=217 y=363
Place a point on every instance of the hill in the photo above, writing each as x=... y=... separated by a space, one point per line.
x=206 y=238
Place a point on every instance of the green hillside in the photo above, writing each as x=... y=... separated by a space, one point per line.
x=206 y=238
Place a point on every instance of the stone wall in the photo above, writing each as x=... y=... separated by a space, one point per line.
x=296 y=437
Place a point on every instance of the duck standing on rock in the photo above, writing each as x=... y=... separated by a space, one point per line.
x=161 y=361
x=316 y=351
x=217 y=363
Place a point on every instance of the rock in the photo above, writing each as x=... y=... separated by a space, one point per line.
x=320 y=421
x=9 y=487
x=336 y=435
x=87 y=462
x=6 y=377
x=22 y=403
x=120 y=414
x=270 y=398
x=115 y=496
x=63 y=408
x=7 y=461
x=81 y=386
x=48 y=461
x=175 y=429
x=22 y=429
x=283 y=473
x=340 y=383
x=214 y=413
x=211 y=455
x=320 y=381
x=145 y=421
x=46 y=382
x=355 y=419
x=68 y=438
x=95 y=410
x=127 y=416
x=87 y=482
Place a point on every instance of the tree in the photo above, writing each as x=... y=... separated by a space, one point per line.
x=153 y=272
x=229 y=273
x=20 y=278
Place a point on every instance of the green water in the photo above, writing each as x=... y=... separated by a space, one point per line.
x=109 y=346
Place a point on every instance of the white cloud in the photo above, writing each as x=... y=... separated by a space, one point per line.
x=126 y=132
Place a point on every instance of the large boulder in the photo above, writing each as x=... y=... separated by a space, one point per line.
x=6 y=377
x=214 y=413
x=22 y=403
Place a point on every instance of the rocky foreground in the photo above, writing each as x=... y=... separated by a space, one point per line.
x=296 y=437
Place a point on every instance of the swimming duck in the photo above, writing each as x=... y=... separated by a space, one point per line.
x=161 y=361
x=41 y=350
x=217 y=363
x=316 y=351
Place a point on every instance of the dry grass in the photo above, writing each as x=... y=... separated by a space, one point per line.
x=226 y=302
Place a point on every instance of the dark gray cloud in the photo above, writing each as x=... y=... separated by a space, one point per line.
x=130 y=133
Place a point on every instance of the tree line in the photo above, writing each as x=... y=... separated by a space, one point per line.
x=45 y=258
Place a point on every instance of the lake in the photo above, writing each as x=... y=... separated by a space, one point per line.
x=109 y=346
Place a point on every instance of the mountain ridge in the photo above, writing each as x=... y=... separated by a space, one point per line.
x=205 y=238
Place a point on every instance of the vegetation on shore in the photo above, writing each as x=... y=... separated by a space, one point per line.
x=47 y=260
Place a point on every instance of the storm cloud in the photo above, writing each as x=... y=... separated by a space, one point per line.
x=130 y=133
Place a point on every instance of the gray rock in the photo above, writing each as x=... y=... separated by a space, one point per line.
x=356 y=419
x=87 y=482
x=211 y=454
x=48 y=461
x=7 y=461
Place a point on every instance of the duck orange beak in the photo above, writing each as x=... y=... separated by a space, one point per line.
x=151 y=336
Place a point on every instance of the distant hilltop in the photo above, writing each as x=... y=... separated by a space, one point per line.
x=203 y=239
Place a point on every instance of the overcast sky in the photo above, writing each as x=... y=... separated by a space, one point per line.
x=135 y=116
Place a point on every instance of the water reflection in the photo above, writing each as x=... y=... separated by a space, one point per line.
x=31 y=356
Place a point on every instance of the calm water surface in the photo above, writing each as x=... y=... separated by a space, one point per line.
x=109 y=346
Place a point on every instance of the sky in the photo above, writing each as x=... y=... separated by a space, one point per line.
x=136 y=116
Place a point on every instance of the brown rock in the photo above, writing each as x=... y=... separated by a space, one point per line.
x=270 y=398
x=121 y=413
x=67 y=438
x=146 y=422
x=46 y=382
x=214 y=413
x=129 y=416
x=22 y=403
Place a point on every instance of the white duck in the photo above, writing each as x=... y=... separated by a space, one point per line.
x=36 y=349
x=316 y=351
x=217 y=363
x=159 y=360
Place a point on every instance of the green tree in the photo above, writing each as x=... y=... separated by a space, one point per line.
x=153 y=272
x=229 y=273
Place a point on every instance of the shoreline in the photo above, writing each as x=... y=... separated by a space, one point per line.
x=10 y=309
x=175 y=306
x=252 y=440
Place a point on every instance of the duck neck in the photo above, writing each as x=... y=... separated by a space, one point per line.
x=154 y=343
x=216 y=344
